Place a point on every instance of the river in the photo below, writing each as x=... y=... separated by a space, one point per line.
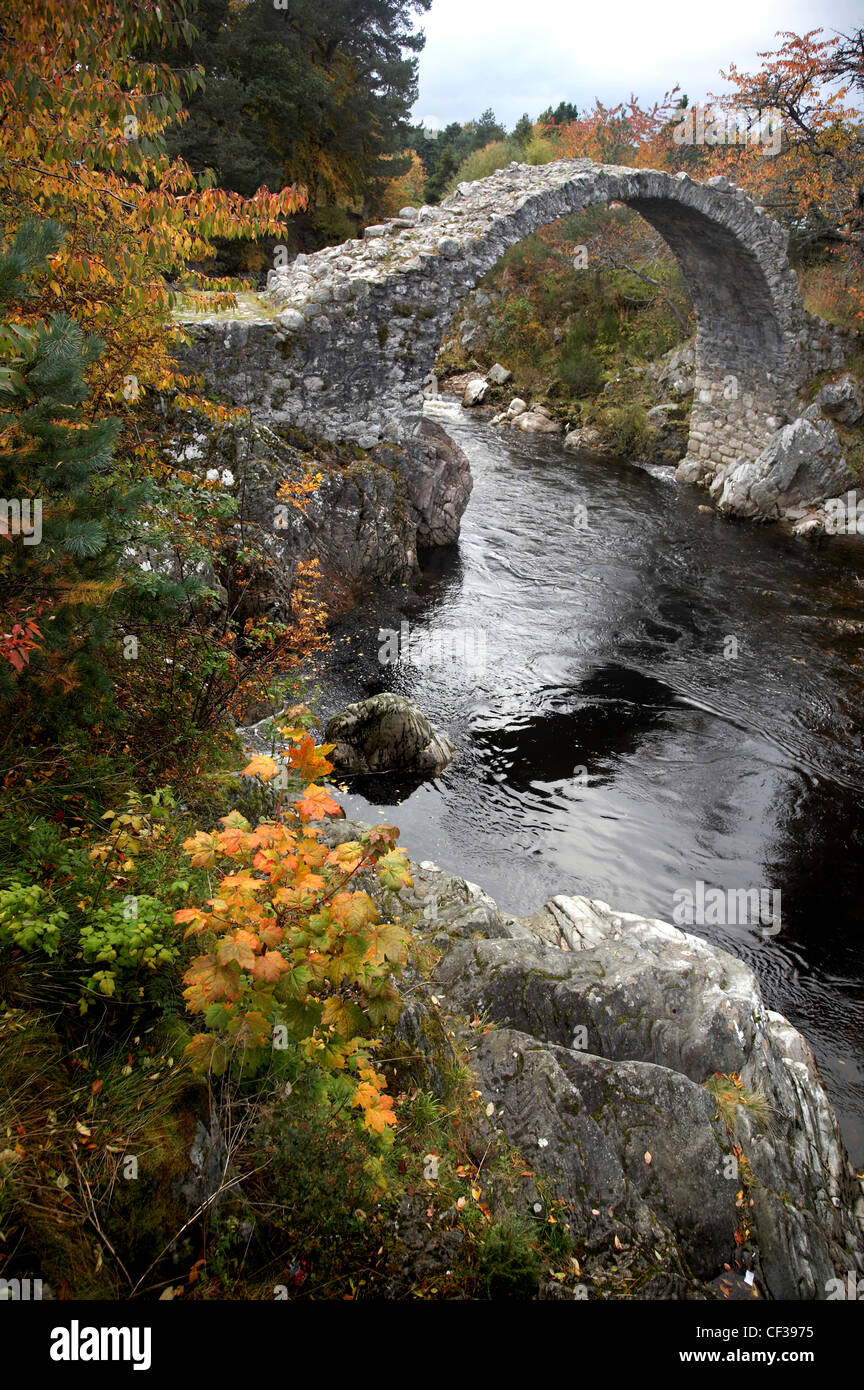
x=644 y=698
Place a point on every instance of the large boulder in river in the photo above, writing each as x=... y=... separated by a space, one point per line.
x=386 y=733
x=476 y=392
x=801 y=465
x=587 y=439
x=537 y=421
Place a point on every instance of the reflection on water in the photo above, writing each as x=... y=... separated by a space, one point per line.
x=667 y=697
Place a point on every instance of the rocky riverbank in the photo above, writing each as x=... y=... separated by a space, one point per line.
x=638 y=1072
x=801 y=478
x=645 y=412
x=366 y=522
x=811 y=451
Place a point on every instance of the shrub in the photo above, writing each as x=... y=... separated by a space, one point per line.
x=540 y=150
x=580 y=371
x=319 y=1182
x=294 y=958
x=625 y=426
x=481 y=163
x=508 y=1263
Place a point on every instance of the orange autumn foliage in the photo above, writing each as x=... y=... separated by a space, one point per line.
x=293 y=954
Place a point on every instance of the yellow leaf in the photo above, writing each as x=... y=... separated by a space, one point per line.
x=262 y=767
x=377 y=1117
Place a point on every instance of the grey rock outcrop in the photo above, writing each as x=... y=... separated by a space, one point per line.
x=365 y=523
x=439 y=490
x=675 y=373
x=386 y=733
x=802 y=465
x=634 y=1149
x=655 y=1012
x=659 y=415
x=842 y=400
x=605 y=1027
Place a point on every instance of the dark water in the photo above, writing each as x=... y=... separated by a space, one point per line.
x=612 y=746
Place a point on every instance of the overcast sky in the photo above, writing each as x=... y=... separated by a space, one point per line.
x=525 y=55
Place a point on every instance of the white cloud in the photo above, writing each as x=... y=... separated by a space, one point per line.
x=518 y=56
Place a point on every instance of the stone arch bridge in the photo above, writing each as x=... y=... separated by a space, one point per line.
x=343 y=340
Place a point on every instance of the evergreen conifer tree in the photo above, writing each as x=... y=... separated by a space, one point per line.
x=65 y=518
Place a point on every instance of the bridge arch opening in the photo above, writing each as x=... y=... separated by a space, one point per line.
x=737 y=325
x=564 y=301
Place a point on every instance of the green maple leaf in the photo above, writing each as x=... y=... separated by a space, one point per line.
x=393 y=870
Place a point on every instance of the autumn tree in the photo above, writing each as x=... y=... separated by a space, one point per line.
x=811 y=176
x=403 y=190
x=82 y=140
x=627 y=133
x=83 y=120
